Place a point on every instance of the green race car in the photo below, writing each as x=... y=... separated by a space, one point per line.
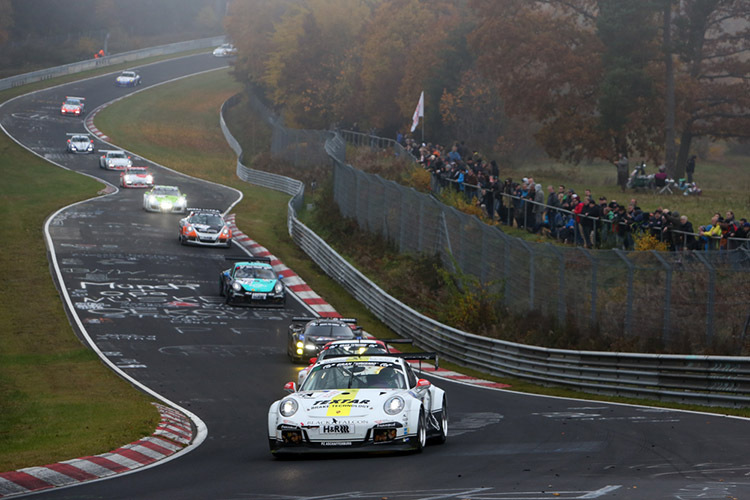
x=164 y=199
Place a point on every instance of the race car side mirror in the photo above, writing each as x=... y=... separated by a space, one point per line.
x=290 y=387
x=280 y=277
x=423 y=384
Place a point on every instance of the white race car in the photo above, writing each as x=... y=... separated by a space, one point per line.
x=128 y=79
x=79 y=143
x=114 y=160
x=136 y=177
x=225 y=50
x=371 y=403
x=73 y=106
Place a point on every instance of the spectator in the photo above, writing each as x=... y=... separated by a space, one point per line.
x=494 y=169
x=710 y=232
x=684 y=239
x=622 y=226
x=622 y=172
x=690 y=169
x=454 y=155
x=538 y=208
x=590 y=213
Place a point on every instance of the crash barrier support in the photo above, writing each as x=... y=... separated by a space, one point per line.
x=703 y=380
x=133 y=55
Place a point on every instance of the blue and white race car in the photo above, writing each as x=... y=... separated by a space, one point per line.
x=370 y=403
x=252 y=281
x=128 y=79
x=79 y=143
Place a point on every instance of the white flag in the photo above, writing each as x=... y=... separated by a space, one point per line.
x=419 y=112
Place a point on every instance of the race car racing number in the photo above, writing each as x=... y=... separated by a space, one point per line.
x=260 y=296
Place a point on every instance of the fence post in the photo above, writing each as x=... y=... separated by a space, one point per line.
x=711 y=294
x=532 y=270
x=506 y=268
x=402 y=222
x=560 y=283
x=667 y=297
x=629 y=299
x=594 y=268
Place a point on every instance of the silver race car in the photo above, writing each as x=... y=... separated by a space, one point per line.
x=136 y=177
x=225 y=50
x=113 y=159
x=371 y=403
x=79 y=143
x=128 y=79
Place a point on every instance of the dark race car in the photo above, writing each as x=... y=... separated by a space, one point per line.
x=307 y=336
x=252 y=281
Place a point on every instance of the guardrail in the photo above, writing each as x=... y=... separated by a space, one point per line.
x=704 y=380
x=133 y=55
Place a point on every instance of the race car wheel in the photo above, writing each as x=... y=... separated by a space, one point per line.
x=442 y=420
x=228 y=299
x=221 y=287
x=420 y=439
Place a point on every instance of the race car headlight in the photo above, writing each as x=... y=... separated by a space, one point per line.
x=149 y=179
x=225 y=231
x=288 y=407
x=166 y=205
x=90 y=147
x=73 y=147
x=237 y=287
x=310 y=347
x=181 y=201
x=278 y=288
x=394 y=405
x=300 y=344
x=152 y=199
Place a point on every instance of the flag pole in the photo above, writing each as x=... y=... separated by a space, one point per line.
x=423 y=118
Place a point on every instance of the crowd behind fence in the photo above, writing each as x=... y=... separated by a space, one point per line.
x=686 y=301
x=709 y=380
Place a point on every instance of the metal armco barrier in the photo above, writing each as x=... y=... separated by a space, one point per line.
x=133 y=55
x=703 y=380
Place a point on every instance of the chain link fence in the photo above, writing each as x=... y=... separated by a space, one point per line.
x=680 y=301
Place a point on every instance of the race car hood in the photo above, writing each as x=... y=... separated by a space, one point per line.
x=70 y=107
x=81 y=144
x=125 y=78
x=345 y=402
x=257 y=285
x=165 y=197
x=207 y=228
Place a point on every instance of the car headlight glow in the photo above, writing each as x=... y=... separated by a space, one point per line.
x=288 y=407
x=278 y=288
x=300 y=344
x=149 y=179
x=310 y=347
x=166 y=205
x=181 y=201
x=237 y=287
x=394 y=405
x=152 y=199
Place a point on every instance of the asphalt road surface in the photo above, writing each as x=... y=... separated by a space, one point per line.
x=152 y=306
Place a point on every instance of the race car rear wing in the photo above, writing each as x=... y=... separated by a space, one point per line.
x=208 y=210
x=74 y=97
x=419 y=356
x=78 y=133
x=305 y=319
x=398 y=341
x=249 y=259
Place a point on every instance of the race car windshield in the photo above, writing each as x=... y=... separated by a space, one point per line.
x=128 y=74
x=260 y=273
x=330 y=331
x=207 y=219
x=354 y=376
x=166 y=191
x=72 y=102
x=80 y=138
x=116 y=155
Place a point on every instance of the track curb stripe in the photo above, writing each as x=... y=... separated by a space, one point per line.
x=174 y=428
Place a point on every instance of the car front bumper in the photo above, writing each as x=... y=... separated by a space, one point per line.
x=256 y=299
x=357 y=444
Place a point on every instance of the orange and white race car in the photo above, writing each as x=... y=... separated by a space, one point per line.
x=73 y=106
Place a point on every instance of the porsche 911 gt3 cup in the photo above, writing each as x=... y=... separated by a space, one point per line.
x=307 y=336
x=114 y=160
x=356 y=347
x=252 y=281
x=79 y=143
x=205 y=227
x=128 y=79
x=225 y=50
x=345 y=404
x=136 y=177
x=164 y=199
x=72 y=106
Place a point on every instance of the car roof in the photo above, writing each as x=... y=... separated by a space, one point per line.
x=253 y=264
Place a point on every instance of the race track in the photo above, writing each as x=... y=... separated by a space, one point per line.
x=152 y=307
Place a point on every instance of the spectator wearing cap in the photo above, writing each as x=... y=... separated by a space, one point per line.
x=590 y=213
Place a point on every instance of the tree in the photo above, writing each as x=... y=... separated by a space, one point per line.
x=713 y=45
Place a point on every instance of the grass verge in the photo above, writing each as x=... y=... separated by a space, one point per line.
x=57 y=400
x=172 y=115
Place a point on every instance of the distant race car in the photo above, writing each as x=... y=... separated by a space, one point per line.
x=205 y=227
x=113 y=159
x=136 y=177
x=164 y=199
x=128 y=79
x=79 y=143
x=225 y=50
x=307 y=336
x=252 y=281
x=73 y=106
x=355 y=347
x=371 y=403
